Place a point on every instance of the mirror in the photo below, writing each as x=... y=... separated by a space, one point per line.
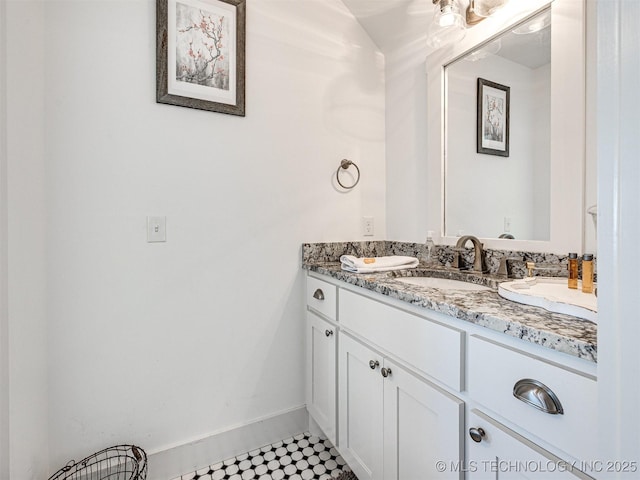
x=555 y=209
x=497 y=136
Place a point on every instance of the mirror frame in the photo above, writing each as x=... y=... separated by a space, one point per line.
x=568 y=121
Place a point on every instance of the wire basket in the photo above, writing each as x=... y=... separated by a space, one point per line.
x=122 y=462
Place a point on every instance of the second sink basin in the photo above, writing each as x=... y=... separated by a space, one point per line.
x=552 y=294
x=443 y=284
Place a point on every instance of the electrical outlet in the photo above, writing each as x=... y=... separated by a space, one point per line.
x=367 y=226
x=507 y=224
x=156 y=229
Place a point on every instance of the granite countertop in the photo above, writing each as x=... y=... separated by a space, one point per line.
x=559 y=332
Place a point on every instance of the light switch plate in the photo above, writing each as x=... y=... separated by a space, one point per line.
x=156 y=229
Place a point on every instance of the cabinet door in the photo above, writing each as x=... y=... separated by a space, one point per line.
x=423 y=425
x=360 y=408
x=503 y=454
x=321 y=374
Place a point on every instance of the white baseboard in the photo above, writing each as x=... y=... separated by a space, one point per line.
x=172 y=462
x=314 y=428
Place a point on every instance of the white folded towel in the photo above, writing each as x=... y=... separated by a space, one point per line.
x=376 y=264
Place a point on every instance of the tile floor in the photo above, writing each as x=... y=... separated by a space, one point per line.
x=303 y=457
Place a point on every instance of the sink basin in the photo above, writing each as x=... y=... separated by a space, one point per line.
x=443 y=284
x=552 y=294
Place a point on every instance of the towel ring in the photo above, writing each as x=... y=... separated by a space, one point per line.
x=346 y=164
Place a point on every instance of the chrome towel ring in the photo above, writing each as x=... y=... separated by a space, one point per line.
x=346 y=164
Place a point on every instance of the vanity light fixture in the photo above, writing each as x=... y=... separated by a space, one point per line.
x=478 y=10
x=447 y=25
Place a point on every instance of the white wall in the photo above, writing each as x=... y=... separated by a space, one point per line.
x=26 y=219
x=4 y=314
x=618 y=106
x=407 y=192
x=591 y=163
x=158 y=344
x=541 y=171
x=515 y=188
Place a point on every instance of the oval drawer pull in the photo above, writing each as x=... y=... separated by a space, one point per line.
x=385 y=372
x=328 y=333
x=373 y=364
x=318 y=294
x=538 y=395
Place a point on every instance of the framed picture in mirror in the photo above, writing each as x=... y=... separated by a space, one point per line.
x=200 y=54
x=493 y=118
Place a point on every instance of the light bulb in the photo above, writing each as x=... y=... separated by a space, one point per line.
x=447 y=17
x=447 y=26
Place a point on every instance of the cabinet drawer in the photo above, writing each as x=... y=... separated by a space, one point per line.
x=321 y=296
x=497 y=451
x=432 y=348
x=495 y=369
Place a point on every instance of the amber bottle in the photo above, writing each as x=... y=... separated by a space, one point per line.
x=587 y=273
x=573 y=270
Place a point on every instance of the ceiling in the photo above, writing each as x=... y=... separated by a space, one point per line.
x=393 y=23
x=532 y=51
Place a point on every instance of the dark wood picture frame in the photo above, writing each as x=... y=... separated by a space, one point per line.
x=492 y=136
x=210 y=80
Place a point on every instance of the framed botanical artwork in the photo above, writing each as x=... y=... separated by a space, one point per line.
x=200 y=54
x=493 y=118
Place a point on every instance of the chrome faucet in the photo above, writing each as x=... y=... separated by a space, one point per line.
x=479 y=265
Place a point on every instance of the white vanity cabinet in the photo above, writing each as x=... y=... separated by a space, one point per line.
x=412 y=391
x=321 y=352
x=495 y=451
x=394 y=425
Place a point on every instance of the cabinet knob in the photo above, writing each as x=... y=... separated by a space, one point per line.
x=328 y=333
x=386 y=372
x=476 y=434
x=373 y=364
x=318 y=294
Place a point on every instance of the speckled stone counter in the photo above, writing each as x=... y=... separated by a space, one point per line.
x=559 y=332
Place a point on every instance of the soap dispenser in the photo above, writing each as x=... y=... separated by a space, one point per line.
x=430 y=249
